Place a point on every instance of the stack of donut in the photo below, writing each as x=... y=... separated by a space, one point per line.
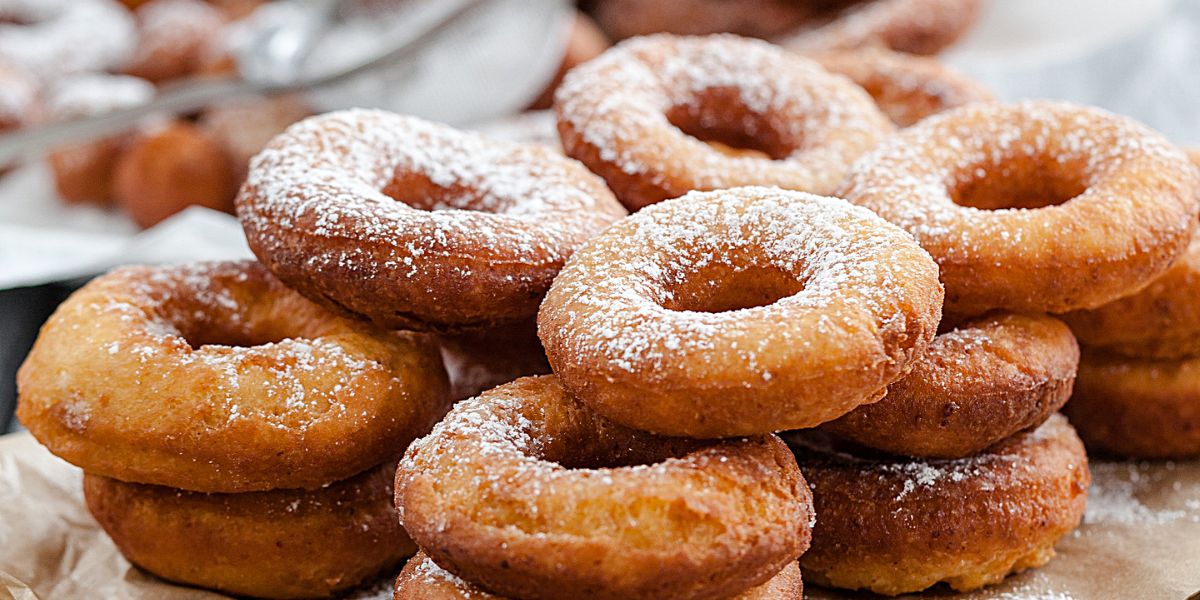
x=1138 y=392
x=233 y=435
x=745 y=379
x=1033 y=208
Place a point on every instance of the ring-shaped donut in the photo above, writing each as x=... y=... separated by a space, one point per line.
x=214 y=377
x=1139 y=408
x=894 y=526
x=638 y=114
x=1038 y=206
x=275 y=544
x=423 y=579
x=1161 y=321
x=416 y=225
x=51 y=38
x=910 y=26
x=528 y=493
x=906 y=88
x=976 y=385
x=740 y=311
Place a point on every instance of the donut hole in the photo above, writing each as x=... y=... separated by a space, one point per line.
x=418 y=191
x=719 y=287
x=574 y=437
x=241 y=315
x=1021 y=183
x=720 y=118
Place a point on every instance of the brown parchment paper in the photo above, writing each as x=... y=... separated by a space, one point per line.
x=1140 y=540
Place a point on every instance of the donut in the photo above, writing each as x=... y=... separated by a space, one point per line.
x=911 y=26
x=740 y=311
x=622 y=19
x=907 y=88
x=977 y=384
x=170 y=167
x=637 y=116
x=894 y=526
x=1038 y=206
x=481 y=360
x=1138 y=408
x=51 y=38
x=585 y=41
x=525 y=492
x=172 y=38
x=84 y=172
x=243 y=128
x=276 y=544
x=415 y=225
x=1161 y=321
x=214 y=377
x=422 y=579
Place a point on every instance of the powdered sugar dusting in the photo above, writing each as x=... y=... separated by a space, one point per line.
x=322 y=181
x=65 y=36
x=608 y=306
x=618 y=104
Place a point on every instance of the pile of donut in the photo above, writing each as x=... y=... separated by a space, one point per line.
x=62 y=60
x=821 y=343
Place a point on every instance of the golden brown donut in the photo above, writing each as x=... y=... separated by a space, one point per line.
x=907 y=88
x=276 y=544
x=170 y=168
x=481 y=360
x=84 y=172
x=1037 y=206
x=976 y=385
x=413 y=224
x=639 y=116
x=893 y=526
x=525 y=492
x=1139 y=408
x=422 y=579
x=214 y=377
x=172 y=38
x=912 y=26
x=740 y=311
x=1160 y=321
x=585 y=41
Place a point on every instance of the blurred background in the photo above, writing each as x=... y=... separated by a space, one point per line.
x=158 y=185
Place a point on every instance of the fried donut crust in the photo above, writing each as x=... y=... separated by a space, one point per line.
x=739 y=312
x=1138 y=408
x=892 y=526
x=1160 y=321
x=1038 y=206
x=527 y=493
x=412 y=224
x=976 y=385
x=423 y=579
x=214 y=377
x=276 y=544
x=906 y=88
x=634 y=115
x=910 y=26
